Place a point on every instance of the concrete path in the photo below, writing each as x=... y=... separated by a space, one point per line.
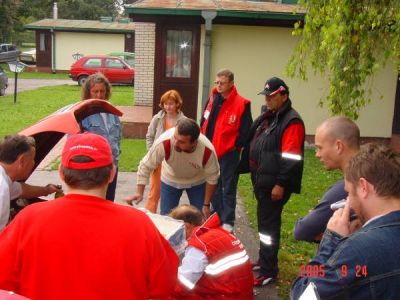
x=31 y=84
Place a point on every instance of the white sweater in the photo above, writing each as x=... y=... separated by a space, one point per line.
x=182 y=170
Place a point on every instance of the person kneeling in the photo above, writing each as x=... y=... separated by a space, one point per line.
x=215 y=264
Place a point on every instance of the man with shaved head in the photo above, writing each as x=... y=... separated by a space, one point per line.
x=337 y=140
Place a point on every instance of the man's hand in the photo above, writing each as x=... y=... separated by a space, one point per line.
x=277 y=193
x=136 y=197
x=206 y=211
x=53 y=188
x=340 y=221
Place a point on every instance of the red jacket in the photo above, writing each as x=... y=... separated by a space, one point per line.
x=227 y=123
x=228 y=274
x=85 y=248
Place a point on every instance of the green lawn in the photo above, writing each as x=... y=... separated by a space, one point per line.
x=293 y=254
x=33 y=75
x=34 y=105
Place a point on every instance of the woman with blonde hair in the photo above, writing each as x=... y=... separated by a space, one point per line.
x=170 y=113
x=107 y=125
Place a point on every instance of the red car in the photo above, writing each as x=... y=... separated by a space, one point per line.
x=115 y=69
x=49 y=131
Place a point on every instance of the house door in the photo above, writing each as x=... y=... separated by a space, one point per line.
x=177 y=65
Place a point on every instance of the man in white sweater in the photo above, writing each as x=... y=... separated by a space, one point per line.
x=188 y=163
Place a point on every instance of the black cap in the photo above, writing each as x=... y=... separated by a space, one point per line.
x=274 y=85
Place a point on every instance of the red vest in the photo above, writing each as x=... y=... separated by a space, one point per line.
x=227 y=123
x=228 y=274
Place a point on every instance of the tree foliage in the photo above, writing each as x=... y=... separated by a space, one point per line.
x=14 y=14
x=347 y=42
x=7 y=20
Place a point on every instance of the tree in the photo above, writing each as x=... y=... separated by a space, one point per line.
x=347 y=42
x=86 y=10
x=68 y=9
x=7 y=20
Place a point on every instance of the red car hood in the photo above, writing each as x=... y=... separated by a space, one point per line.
x=48 y=131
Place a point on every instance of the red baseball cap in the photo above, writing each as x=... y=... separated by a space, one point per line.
x=87 y=144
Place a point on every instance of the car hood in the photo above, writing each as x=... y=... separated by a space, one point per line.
x=48 y=131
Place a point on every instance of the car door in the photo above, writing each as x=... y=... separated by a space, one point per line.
x=117 y=71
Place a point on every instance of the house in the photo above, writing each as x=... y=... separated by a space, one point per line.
x=182 y=44
x=59 y=42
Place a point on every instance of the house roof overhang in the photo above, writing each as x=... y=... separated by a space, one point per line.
x=232 y=9
x=81 y=26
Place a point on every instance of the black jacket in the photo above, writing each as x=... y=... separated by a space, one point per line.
x=263 y=156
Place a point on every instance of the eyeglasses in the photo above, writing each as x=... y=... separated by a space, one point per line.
x=220 y=82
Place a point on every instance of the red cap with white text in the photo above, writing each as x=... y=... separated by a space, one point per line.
x=87 y=144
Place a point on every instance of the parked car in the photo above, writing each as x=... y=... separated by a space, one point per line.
x=8 y=52
x=28 y=56
x=115 y=69
x=3 y=82
x=128 y=57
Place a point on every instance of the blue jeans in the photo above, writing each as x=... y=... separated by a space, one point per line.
x=224 y=198
x=170 y=196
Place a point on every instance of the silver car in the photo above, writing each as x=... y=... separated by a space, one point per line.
x=3 y=82
x=9 y=52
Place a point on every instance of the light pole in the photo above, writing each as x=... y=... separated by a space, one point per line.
x=16 y=67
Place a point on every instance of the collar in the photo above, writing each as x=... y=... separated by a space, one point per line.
x=5 y=175
x=377 y=221
x=231 y=96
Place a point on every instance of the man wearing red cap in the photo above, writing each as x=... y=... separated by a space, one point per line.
x=81 y=246
x=275 y=159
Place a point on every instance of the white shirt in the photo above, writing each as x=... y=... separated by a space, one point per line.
x=192 y=268
x=183 y=170
x=8 y=190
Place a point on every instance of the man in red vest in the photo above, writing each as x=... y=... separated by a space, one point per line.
x=226 y=122
x=215 y=265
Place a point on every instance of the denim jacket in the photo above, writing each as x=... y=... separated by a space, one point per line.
x=365 y=265
x=111 y=130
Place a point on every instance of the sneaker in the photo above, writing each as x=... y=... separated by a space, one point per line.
x=255 y=266
x=263 y=280
x=227 y=227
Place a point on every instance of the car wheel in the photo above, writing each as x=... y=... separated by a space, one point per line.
x=82 y=79
x=133 y=82
x=2 y=92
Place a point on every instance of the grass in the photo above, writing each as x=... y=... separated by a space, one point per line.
x=292 y=254
x=34 y=105
x=33 y=74
x=133 y=151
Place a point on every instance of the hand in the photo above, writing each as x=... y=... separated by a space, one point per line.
x=277 y=193
x=136 y=197
x=340 y=221
x=53 y=188
x=206 y=211
x=355 y=225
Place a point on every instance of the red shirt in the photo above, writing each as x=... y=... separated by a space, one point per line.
x=84 y=247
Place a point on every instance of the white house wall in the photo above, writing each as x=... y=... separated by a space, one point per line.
x=68 y=43
x=255 y=54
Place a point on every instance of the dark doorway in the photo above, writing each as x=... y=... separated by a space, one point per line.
x=43 y=48
x=177 y=64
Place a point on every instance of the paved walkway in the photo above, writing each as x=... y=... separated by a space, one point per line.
x=31 y=84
